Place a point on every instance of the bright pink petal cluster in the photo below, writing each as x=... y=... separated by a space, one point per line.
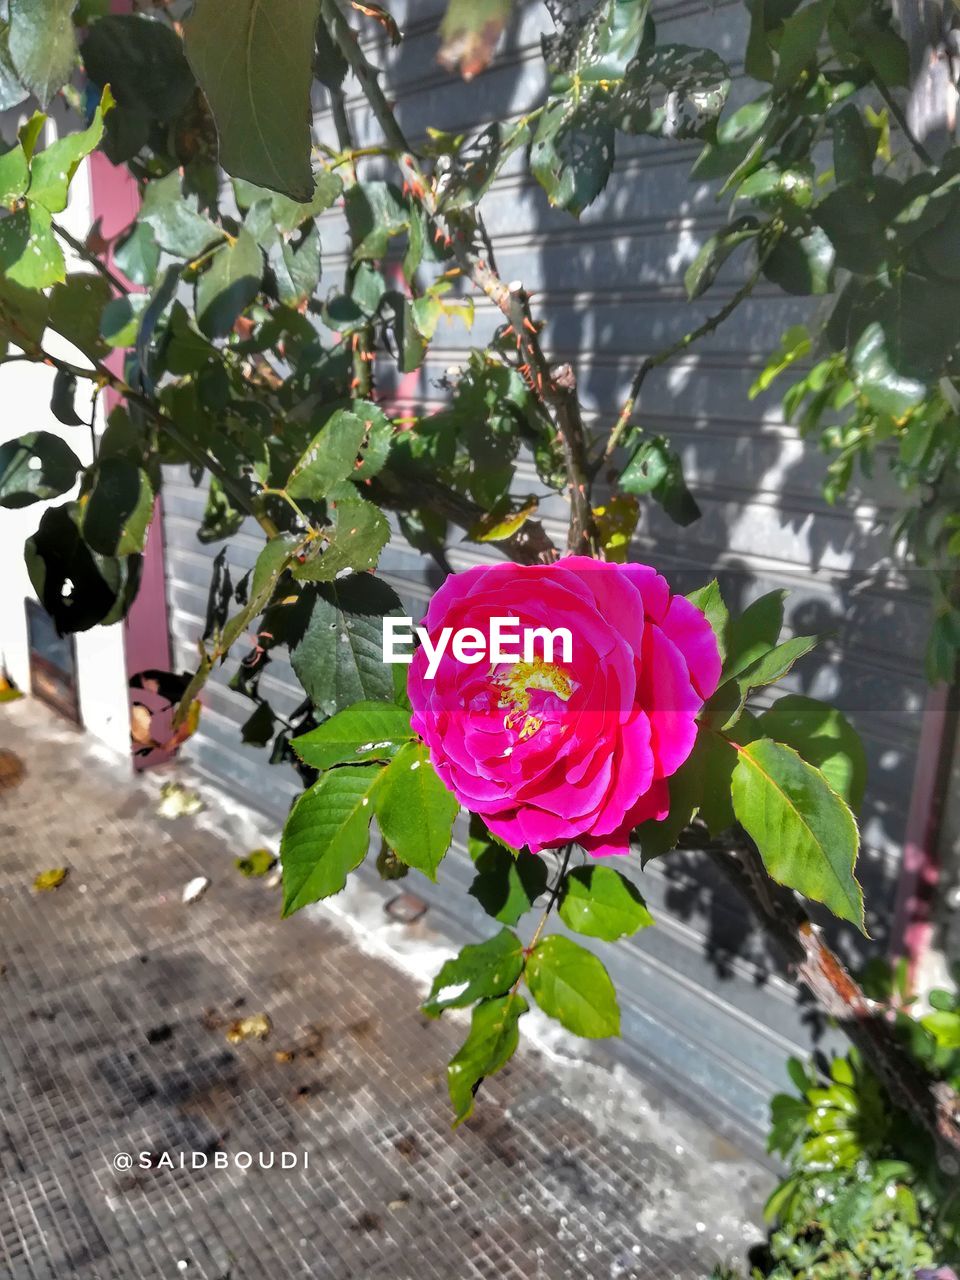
x=554 y=752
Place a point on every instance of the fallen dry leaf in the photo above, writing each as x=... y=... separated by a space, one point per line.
x=178 y=801
x=257 y=1026
x=141 y=722
x=52 y=879
x=259 y=862
x=8 y=690
x=11 y=770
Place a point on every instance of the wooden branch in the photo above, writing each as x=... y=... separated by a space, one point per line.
x=95 y=261
x=103 y=377
x=932 y=1103
x=661 y=357
x=554 y=385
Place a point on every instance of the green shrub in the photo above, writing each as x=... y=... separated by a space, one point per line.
x=864 y=1198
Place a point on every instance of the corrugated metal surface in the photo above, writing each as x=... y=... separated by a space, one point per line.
x=704 y=1003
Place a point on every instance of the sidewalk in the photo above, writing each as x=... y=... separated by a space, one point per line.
x=117 y=999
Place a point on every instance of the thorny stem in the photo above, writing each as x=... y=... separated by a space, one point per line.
x=361 y=386
x=897 y=113
x=555 y=387
x=93 y=422
x=88 y=255
x=661 y=357
x=552 y=900
x=101 y=375
x=934 y=1104
x=293 y=505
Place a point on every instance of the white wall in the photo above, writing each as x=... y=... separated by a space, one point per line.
x=25 y=391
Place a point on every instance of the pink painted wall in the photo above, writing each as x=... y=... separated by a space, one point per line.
x=116 y=200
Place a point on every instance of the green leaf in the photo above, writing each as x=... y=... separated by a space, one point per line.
x=375 y=213
x=855 y=228
x=359 y=533
x=507 y=885
x=338 y=658
x=76 y=306
x=487 y=968
x=272 y=562
x=78 y=588
x=14 y=174
x=143 y=62
x=695 y=83
x=602 y=903
x=174 y=218
x=717 y=760
x=119 y=509
x=882 y=386
x=283 y=214
x=120 y=319
x=806 y=835
x=823 y=737
x=775 y=664
x=944 y=1027
x=798 y=42
x=570 y=984
x=794 y=345
x=41 y=44
x=36 y=467
x=187 y=351
x=30 y=254
x=656 y=469
x=504 y=519
x=572 y=153
x=296 y=268
x=710 y=603
x=257 y=73
x=53 y=169
x=138 y=255
x=326 y=836
x=12 y=92
x=702 y=272
x=23 y=315
x=802 y=264
x=229 y=284
x=854 y=147
x=62 y=401
x=492 y=1042
x=758 y=62
x=481 y=838
x=415 y=811
x=754 y=633
x=366 y=731
x=331 y=456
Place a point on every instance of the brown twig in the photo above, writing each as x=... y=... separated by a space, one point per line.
x=932 y=1103
x=661 y=357
x=104 y=377
x=94 y=259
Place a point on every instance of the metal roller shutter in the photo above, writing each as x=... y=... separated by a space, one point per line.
x=704 y=1003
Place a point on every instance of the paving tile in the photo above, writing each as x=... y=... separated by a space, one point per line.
x=116 y=1000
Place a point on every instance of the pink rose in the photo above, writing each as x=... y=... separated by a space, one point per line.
x=550 y=752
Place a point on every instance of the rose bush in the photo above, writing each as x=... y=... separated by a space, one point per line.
x=549 y=752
